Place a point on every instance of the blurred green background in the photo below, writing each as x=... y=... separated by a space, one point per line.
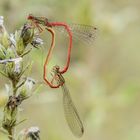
x=104 y=80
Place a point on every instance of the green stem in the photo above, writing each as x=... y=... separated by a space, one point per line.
x=10 y=131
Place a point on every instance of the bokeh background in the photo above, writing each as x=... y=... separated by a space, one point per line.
x=104 y=79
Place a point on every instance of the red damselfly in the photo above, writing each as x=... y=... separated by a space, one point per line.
x=84 y=33
x=58 y=80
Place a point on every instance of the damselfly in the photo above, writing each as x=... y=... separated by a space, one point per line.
x=70 y=111
x=84 y=33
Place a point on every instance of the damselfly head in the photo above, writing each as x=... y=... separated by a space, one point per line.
x=56 y=69
x=30 y=17
x=38 y=20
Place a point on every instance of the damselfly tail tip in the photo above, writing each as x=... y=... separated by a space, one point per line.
x=82 y=130
x=80 y=134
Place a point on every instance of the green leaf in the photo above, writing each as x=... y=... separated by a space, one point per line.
x=5 y=40
x=2 y=52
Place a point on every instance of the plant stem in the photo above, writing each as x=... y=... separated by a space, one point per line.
x=10 y=131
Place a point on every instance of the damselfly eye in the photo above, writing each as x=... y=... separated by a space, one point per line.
x=30 y=16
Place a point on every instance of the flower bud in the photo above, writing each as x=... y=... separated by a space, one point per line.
x=31 y=133
x=27 y=88
x=4 y=37
x=27 y=34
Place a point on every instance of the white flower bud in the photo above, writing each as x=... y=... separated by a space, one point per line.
x=29 y=83
x=1 y=20
x=12 y=39
x=17 y=62
x=31 y=133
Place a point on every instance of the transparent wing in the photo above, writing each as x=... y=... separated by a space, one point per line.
x=83 y=33
x=71 y=114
